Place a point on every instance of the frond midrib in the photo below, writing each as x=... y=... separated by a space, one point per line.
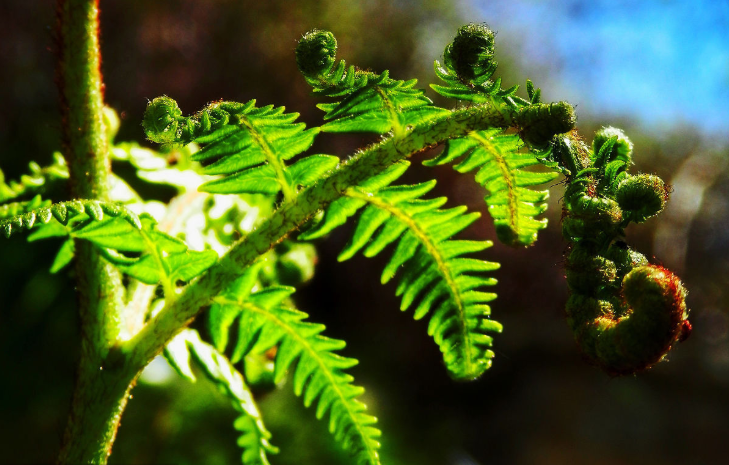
x=508 y=176
x=273 y=160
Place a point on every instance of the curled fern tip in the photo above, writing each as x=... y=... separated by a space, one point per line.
x=472 y=51
x=316 y=52
x=161 y=120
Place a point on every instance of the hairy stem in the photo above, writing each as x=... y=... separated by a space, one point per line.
x=97 y=402
x=174 y=317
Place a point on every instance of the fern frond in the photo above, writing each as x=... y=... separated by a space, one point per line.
x=254 y=439
x=248 y=145
x=165 y=259
x=436 y=277
x=94 y=210
x=365 y=101
x=511 y=203
x=36 y=181
x=468 y=66
x=264 y=322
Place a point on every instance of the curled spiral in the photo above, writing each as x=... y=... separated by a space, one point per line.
x=625 y=313
x=316 y=53
x=164 y=123
x=471 y=54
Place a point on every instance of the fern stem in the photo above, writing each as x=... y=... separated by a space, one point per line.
x=173 y=318
x=96 y=406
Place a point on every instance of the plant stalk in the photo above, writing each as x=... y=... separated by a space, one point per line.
x=98 y=398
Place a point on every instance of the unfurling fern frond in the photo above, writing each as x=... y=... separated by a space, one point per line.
x=246 y=144
x=500 y=158
x=94 y=210
x=436 y=277
x=468 y=65
x=266 y=321
x=254 y=439
x=625 y=313
x=365 y=101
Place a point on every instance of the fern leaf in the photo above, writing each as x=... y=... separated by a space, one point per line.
x=254 y=439
x=248 y=145
x=265 y=322
x=36 y=181
x=37 y=212
x=436 y=277
x=511 y=202
x=467 y=69
x=166 y=260
x=365 y=101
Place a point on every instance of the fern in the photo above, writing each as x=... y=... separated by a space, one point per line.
x=366 y=101
x=500 y=156
x=94 y=210
x=35 y=182
x=435 y=274
x=254 y=439
x=264 y=322
x=248 y=145
x=500 y=160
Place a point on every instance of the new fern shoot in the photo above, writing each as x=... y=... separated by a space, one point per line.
x=252 y=203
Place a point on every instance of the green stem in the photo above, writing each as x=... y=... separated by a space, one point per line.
x=98 y=400
x=173 y=318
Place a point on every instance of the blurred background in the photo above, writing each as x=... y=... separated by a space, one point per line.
x=657 y=69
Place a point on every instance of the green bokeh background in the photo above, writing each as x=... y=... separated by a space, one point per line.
x=539 y=404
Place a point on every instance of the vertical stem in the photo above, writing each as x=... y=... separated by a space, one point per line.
x=99 y=397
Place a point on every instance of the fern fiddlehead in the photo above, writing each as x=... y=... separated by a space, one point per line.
x=625 y=313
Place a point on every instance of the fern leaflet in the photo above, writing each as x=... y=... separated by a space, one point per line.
x=436 y=276
x=366 y=101
x=248 y=145
x=266 y=321
x=254 y=439
x=37 y=212
x=35 y=182
x=499 y=159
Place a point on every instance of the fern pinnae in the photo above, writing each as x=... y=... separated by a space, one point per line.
x=265 y=322
x=63 y=212
x=511 y=202
x=365 y=101
x=254 y=439
x=436 y=278
x=246 y=144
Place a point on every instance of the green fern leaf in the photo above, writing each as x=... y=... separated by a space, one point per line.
x=248 y=145
x=365 y=101
x=36 y=182
x=500 y=159
x=254 y=439
x=467 y=69
x=265 y=322
x=166 y=258
x=436 y=277
x=43 y=213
